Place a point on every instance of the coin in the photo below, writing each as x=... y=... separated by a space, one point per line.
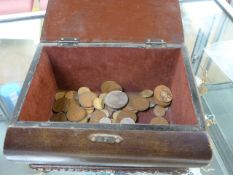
x=70 y=102
x=59 y=117
x=76 y=113
x=98 y=103
x=85 y=120
x=137 y=102
x=163 y=93
x=96 y=116
x=158 y=121
x=83 y=89
x=116 y=99
x=115 y=114
x=159 y=111
x=127 y=121
x=147 y=93
x=89 y=110
x=109 y=86
x=152 y=102
x=107 y=112
x=70 y=94
x=86 y=99
x=59 y=105
x=102 y=96
x=105 y=120
x=126 y=114
x=160 y=103
x=59 y=95
x=129 y=107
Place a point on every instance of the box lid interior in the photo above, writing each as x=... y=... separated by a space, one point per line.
x=113 y=21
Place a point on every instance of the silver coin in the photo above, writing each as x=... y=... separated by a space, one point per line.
x=105 y=120
x=116 y=99
x=127 y=120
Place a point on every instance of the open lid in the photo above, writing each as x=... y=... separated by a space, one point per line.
x=113 y=21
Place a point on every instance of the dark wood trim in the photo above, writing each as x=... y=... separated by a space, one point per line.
x=142 y=149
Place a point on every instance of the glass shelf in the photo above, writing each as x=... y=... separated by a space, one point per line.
x=207 y=30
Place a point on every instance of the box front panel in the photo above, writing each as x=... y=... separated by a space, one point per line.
x=136 y=148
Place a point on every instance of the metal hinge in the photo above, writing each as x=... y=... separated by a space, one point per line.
x=155 y=43
x=68 y=42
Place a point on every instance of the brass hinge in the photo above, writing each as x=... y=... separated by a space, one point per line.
x=68 y=42
x=155 y=43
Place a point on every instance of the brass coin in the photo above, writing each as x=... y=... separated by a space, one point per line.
x=163 y=93
x=152 y=102
x=59 y=95
x=70 y=94
x=116 y=99
x=59 y=117
x=115 y=114
x=126 y=114
x=160 y=103
x=83 y=89
x=89 y=111
x=76 y=113
x=96 y=116
x=127 y=121
x=105 y=120
x=159 y=111
x=147 y=93
x=86 y=99
x=102 y=96
x=59 y=105
x=98 y=103
x=85 y=120
x=139 y=103
x=158 y=121
x=113 y=120
x=109 y=86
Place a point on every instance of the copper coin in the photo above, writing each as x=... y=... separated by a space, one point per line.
x=126 y=114
x=69 y=103
x=76 y=113
x=158 y=121
x=159 y=111
x=59 y=117
x=98 y=103
x=139 y=103
x=160 y=103
x=116 y=99
x=59 y=94
x=127 y=121
x=163 y=93
x=109 y=86
x=105 y=120
x=82 y=90
x=147 y=93
x=130 y=108
x=59 y=105
x=86 y=99
x=70 y=94
x=96 y=116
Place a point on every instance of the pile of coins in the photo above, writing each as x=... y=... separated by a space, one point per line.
x=111 y=105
